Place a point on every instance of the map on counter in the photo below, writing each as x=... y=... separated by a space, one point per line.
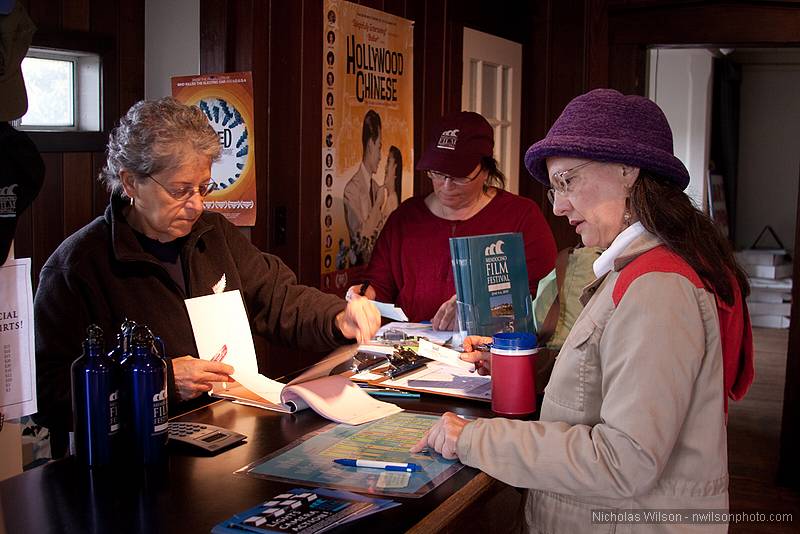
x=310 y=460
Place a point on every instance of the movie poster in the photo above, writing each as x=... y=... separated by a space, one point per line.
x=227 y=101
x=368 y=133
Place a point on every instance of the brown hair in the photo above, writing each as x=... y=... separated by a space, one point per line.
x=496 y=177
x=667 y=212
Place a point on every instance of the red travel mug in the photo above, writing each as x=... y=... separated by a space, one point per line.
x=514 y=373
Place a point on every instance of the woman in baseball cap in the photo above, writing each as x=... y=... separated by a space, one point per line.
x=635 y=411
x=410 y=264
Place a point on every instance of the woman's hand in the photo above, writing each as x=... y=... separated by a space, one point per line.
x=359 y=320
x=194 y=376
x=443 y=436
x=445 y=318
x=481 y=359
x=355 y=290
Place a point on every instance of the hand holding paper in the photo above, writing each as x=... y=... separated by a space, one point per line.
x=443 y=354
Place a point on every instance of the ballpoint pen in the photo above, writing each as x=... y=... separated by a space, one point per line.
x=363 y=289
x=387 y=466
x=391 y=393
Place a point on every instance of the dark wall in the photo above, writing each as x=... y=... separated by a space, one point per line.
x=70 y=196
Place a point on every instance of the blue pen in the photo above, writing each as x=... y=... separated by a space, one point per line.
x=387 y=466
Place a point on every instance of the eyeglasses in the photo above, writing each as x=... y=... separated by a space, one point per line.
x=440 y=177
x=186 y=192
x=562 y=182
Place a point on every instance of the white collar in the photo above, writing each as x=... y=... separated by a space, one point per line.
x=605 y=262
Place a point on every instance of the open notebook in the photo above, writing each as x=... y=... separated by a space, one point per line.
x=333 y=397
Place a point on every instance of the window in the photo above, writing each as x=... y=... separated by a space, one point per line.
x=63 y=91
x=492 y=87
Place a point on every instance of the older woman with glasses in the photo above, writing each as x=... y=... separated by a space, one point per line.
x=634 y=415
x=410 y=264
x=156 y=246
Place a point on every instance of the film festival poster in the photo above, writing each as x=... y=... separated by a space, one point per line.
x=227 y=101
x=368 y=133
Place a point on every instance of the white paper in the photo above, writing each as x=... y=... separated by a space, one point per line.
x=18 y=379
x=339 y=399
x=390 y=311
x=440 y=337
x=439 y=378
x=222 y=333
x=443 y=355
x=219 y=322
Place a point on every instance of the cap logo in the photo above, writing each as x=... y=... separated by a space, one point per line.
x=8 y=201
x=448 y=139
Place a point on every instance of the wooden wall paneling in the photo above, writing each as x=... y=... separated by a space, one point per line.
x=535 y=101
x=213 y=35
x=415 y=10
x=131 y=54
x=627 y=73
x=75 y=15
x=104 y=19
x=283 y=153
x=433 y=85
x=759 y=23
x=262 y=231
x=78 y=191
x=453 y=66
x=789 y=463
x=565 y=77
x=596 y=28
x=46 y=14
x=309 y=143
x=48 y=213
x=285 y=109
x=240 y=41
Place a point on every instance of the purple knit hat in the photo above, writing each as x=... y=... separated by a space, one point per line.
x=605 y=125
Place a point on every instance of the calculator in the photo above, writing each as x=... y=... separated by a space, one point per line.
x=208 y=438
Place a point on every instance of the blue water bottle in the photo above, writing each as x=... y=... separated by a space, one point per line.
x=95 y=402
x=145 y=382
x=122 y=350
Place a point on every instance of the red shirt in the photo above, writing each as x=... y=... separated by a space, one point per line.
x=410 y=264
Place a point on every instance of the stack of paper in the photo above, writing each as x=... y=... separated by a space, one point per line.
x=770 y=299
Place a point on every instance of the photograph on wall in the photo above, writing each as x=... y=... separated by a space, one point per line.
x=368 y=133
x=227 y=101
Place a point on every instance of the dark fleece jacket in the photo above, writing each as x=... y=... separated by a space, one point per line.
x=102 y=275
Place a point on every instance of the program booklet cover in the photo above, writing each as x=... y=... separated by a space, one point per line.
x=491 y=281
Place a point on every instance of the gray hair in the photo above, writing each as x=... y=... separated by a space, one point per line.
x=157 y=135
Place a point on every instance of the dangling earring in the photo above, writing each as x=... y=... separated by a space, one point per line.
x=131 y=201
x=626 y=215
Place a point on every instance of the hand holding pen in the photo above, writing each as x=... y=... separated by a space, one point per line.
x=476 y=350
x=363 y=290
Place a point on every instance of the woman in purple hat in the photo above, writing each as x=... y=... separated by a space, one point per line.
x=634 y=415
x=410 y=265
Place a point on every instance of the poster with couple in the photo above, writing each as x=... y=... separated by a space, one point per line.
x=368 y=133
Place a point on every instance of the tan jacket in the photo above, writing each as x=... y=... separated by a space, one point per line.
x=633 y=416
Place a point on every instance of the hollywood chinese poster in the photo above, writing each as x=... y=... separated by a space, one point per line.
x=368 y=133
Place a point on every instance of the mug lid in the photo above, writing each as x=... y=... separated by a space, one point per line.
x=514 y=341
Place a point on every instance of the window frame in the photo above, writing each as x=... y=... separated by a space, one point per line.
x=75 y=140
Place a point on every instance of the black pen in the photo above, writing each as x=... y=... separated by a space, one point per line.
x=363 y=289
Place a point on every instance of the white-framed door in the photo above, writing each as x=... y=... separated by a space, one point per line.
x=492 y=86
